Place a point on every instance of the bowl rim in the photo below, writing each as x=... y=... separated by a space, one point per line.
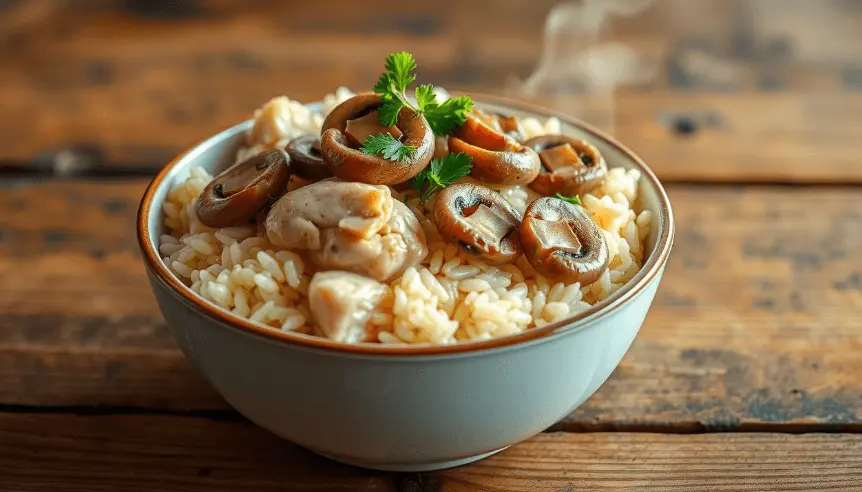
x=649 y=270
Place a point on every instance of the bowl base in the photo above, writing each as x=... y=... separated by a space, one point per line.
x=410 y=467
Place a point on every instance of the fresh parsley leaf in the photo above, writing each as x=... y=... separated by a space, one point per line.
x=440 y=174
x=435 y=180
x=400 y=65
x=388 y=146
x=384 y=84
x=451 y=114
x=388 y=112
x=574 y=199
x=425 y=98
x=452 y=168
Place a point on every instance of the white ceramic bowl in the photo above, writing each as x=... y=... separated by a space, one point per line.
x=405 y=408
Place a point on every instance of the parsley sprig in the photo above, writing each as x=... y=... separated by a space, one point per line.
x=388 y=146
x=440 y=174
x=574 y=199
x=392 y=87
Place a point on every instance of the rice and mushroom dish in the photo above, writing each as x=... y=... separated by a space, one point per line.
x=386 y=218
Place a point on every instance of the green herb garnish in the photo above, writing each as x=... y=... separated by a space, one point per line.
x=440 y=174
x=388 y=146
x=392 y=87
x=574 y=199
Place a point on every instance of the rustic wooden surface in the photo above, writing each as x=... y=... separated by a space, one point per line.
x=745 y=375
x=170 y=453
x=162 y=77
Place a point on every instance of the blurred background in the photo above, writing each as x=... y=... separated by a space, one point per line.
x=770 y=89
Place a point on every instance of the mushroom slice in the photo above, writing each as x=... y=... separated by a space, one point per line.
x=305 y=156
x=342 y=303
x=235 y=196
x=507 y=125
x=569 y=166
x=358 y=129
x=497 y=158
x=354 y=120
x=480 y=220
x=511 y=126
x=562 y=242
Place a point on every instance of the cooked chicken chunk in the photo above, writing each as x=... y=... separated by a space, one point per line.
x=342 y=303
x=349 y=226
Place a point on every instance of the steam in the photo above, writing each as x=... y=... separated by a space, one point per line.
x=580 y=69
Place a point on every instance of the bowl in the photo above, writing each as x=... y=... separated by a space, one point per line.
x=407 y=408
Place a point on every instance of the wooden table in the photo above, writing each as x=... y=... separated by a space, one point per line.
x=747 y=374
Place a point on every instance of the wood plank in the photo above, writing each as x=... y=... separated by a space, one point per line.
x=772 y=337
x=135 y=84
x=130 y=453
x=664 y=463
x=169 y=453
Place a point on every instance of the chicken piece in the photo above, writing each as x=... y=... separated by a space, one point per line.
x=349 y=226
x=399 y=244
x=358 y=210
x=342 y=303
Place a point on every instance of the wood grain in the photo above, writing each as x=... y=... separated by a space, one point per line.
x=665 y=463
x=136 y=82
x=772 y=337
x=48 y=453
x=131 y=453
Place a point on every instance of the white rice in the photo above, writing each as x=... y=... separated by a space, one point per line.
x=452 y=296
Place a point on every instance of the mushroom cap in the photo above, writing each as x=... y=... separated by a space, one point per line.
x=306 y=159
x=569 y=166
x=480 y=220
x=562 y=242
x=352 y=164
x=497 y=158
x=235 y=196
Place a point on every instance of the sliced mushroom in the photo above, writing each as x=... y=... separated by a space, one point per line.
x=562 y=242
x=306 y=159
x=238 y=194
x=354 y=120
x=348 y=226
x=511 y=126
x=497 y=158
x=569 y=166
x=480 y=220
x=359 y=129
x=342 y=303
x=505 y=124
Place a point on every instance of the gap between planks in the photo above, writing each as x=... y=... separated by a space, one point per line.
x=680 y=428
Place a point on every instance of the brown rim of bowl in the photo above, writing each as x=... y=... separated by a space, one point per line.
x=647 y=273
